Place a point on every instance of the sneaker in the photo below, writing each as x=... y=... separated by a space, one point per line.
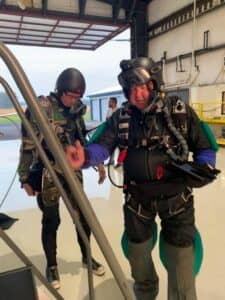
x=52 y=276
x=97 y=268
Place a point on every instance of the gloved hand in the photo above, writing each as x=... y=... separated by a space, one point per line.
x=34 y=179
x=205 y=170
x=207 y=173
x=196 y=175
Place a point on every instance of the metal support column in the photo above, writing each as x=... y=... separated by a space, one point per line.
x=139 y=26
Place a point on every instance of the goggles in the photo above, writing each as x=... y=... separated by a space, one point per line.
x=134 y=76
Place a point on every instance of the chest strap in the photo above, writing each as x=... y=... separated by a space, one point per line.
x=123 y=130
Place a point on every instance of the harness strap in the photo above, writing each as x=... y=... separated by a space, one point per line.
x=137 y=208
x=179 y=117
x=123 y=130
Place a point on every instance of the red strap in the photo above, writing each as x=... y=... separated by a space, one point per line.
x=159 y=172
x=122 y=156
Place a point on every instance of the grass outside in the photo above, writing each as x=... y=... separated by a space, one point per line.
x=15 y=118
x=9 y=119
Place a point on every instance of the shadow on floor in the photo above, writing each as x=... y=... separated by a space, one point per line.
x=11 y=261
x=102 y=290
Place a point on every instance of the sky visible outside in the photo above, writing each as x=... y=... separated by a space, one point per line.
x=43 y=65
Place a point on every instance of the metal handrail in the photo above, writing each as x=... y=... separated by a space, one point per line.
x=60 y=158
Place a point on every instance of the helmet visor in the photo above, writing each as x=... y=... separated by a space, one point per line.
x=135 y=76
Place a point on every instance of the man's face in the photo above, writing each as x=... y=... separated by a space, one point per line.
x=111 y=104
x=69 y=99
x=139 y=96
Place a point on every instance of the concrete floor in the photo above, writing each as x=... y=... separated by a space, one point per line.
x=107 y=203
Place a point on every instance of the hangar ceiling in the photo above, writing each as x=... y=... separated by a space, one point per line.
x=75 y=24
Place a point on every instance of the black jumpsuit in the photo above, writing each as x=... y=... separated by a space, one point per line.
x=151 y=189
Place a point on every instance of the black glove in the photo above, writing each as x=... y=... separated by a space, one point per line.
x=205 y=170
x=196 y=175
x=35 y=176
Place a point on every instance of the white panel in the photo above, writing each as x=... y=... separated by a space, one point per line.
x=9 y=24
x=9 y=40
x=57 y=44
x=39 y=21
x=29 y=42
x=10 y=17
x=7 y=30
x=158 y=9
x=89 y=37
x=104 y=27
x=85 y=42
x=81 y=46
x=63 y=35
x=5 y=35
x=69 y=30
x=36 y=38
x=61 y=40
x=36 y=27
x=95 y=32
x=34 y=32
x=73 y=24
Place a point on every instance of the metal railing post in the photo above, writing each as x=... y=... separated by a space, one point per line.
x=60 y=158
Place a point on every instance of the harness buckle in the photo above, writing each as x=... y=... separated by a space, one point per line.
x=139 y=210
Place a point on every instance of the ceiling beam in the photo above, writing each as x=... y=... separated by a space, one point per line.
x=116 y=6
x=82 y=6
x=139 y=26
x=131 y=10
x=2 y=3
x=44 y=6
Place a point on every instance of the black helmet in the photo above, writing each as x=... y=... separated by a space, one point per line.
x=70 y=80
x=140 y=71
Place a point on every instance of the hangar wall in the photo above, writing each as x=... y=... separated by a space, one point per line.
x=191 y=49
